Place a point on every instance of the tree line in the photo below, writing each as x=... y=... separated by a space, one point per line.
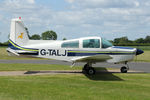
x=122 y=41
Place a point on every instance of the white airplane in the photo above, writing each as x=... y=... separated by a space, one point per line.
x=88 y=49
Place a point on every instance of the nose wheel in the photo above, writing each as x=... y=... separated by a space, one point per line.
x=124 y=69
x=88 y=69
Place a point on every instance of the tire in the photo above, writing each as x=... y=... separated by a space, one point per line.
x=85 y=67
x=90 y=71
x=124 y=69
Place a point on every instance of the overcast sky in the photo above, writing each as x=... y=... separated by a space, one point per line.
x=78 y=18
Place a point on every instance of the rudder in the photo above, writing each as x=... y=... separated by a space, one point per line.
x=18 y=33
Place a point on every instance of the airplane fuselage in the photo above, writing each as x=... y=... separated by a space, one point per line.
x=60 y=50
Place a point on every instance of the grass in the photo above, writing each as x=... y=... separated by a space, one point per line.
x=102 y=86
x=41 y=67
x=35 y=67
x=76 y=87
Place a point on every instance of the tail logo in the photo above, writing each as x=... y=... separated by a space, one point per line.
x=20 y=36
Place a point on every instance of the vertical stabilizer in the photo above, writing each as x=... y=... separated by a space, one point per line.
x=18 y=33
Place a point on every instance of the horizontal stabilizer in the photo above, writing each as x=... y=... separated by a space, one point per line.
x=12 y=52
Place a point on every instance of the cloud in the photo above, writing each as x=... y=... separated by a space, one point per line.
x=31 y=1
x=70 y=1
x=1 y=17
x=17 y=2
x=17 y=6
x=104 y=3
x=24 y=8
x=86 y=18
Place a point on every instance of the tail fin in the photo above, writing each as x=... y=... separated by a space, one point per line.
x=18 y=33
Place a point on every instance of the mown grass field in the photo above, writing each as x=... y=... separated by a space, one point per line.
x=76 y=87
x=35 y=67
x=102 y=86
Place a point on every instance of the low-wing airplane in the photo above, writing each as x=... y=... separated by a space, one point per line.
x=88 y=49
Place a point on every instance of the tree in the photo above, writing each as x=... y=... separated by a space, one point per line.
x=122 y=40
x=117 y=40
x=140 y=40
x=49 y=35
x=147 y=39
x=4 y=43
x=64 y=39
x=35 y=37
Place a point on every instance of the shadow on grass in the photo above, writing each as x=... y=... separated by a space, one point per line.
x=103 y=74
x=56 y=72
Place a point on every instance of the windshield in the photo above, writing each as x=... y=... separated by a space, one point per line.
x=106 y=43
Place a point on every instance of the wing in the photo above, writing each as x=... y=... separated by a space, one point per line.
x=95 y=58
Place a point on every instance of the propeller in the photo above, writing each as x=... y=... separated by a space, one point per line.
x=138 y=52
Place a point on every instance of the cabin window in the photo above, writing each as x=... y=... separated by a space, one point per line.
x=106 y=43
x=70 y=44
x=91 y=43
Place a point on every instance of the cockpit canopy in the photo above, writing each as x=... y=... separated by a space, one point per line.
x=87 y=43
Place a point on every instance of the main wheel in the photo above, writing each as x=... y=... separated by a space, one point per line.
x=85 y=67
x=90 y=71
x=124 y=69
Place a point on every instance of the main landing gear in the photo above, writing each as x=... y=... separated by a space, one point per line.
x=88 y=69
x=124 y=69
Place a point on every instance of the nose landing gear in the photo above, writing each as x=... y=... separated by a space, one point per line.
x=124 y=69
